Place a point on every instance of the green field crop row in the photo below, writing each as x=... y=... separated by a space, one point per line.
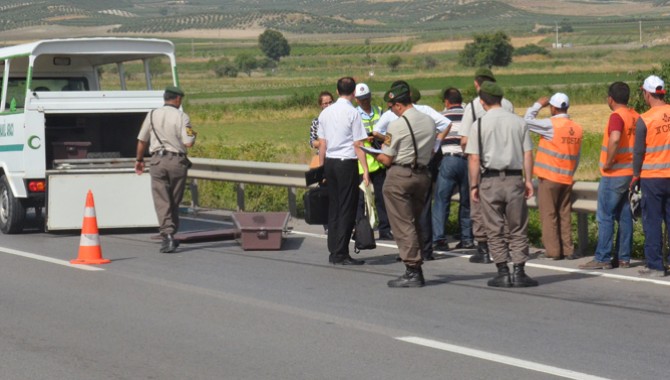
x=362 y=49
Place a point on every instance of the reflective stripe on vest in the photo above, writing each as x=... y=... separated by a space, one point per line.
x=556 y=160
x=373 y=165
x=623 y=155
x=656 y=162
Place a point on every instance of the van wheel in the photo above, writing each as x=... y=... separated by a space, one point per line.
x=12 y=212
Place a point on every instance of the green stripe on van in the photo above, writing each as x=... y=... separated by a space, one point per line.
x=11 y=148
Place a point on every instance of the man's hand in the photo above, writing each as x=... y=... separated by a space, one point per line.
x=366 y=178
x=634 y=185
x=544 y=101
x=608 y=166
x=139 y=167
x=530 y=191
x=474 y=194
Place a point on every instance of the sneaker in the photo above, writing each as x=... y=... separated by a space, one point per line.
x=593 y=264
x=624 y=264
x=441 y=246
x=648 y=272
x=386 y=236
x=466 y=245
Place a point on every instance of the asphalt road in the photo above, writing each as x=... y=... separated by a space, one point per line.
x=214 y=311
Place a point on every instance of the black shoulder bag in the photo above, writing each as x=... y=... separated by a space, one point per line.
x=364 y=236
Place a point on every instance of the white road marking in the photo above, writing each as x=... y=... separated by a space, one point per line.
x=502 y=359
x=48 y=259
x=530 y=264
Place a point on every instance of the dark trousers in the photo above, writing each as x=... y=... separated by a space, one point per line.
x=426 y=222
x=655 y=211
x=377 y=178
x=342 y=182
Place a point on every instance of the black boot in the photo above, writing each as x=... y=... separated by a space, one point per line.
x=169 y=244
x=482 y=256
x=519 y=278
x=502 y=280
x=413 y=278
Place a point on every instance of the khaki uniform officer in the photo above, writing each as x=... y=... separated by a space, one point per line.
x=406 y=151
x=167 y=131
x=474 y=111
x=500 y=146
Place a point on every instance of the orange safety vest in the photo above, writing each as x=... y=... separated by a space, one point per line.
x=656 y=163
x=623 y=156
x=557 y=159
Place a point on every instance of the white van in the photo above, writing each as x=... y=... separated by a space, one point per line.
x=64 y=131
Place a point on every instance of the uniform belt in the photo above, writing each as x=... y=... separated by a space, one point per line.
x=459 y=155
x=497 y=173
x=168 y=153
x=413 y=167
x=341 y=159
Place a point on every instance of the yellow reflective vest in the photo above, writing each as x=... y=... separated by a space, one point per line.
x=369 y=123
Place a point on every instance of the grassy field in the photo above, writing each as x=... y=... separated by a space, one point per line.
x=266 y=116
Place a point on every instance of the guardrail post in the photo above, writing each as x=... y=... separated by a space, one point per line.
x=583 y=232
x=292 y=204
x=240 y=196
x=195 y=196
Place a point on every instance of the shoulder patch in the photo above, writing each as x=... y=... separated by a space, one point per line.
x=387 y=139
x=190 y=132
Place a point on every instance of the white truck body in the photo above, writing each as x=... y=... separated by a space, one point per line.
x=59 y=128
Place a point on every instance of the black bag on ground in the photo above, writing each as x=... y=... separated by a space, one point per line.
x=316 y=205
x=364 y=236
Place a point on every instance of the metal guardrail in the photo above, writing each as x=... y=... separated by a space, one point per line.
x=292 y=176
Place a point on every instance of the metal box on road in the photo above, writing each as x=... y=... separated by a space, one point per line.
x=261 y=230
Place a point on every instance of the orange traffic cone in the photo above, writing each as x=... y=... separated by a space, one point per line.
x=89 y=245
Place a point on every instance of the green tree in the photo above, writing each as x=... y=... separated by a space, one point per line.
x=393 y=62
x=565 y=27
x=157 y=67
x=267 y=63
x=636 y=99
x=273 y=44
x=530 y=49
x=487 y=49
x=246 y=63
x=226 y=70
x=429 y=62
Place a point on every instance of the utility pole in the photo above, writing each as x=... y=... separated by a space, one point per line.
x=557 y=35
x=640 y=31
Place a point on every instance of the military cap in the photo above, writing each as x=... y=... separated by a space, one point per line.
x=484 y=72
x=396 y=93
x=174 y=90
x=491 y=88
x=415 y=94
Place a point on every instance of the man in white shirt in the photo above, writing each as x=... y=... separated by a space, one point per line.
x=341 y=134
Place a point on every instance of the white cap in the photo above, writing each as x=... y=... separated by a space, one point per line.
x=559 y=100
x=654 y=85
x=362 y=91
